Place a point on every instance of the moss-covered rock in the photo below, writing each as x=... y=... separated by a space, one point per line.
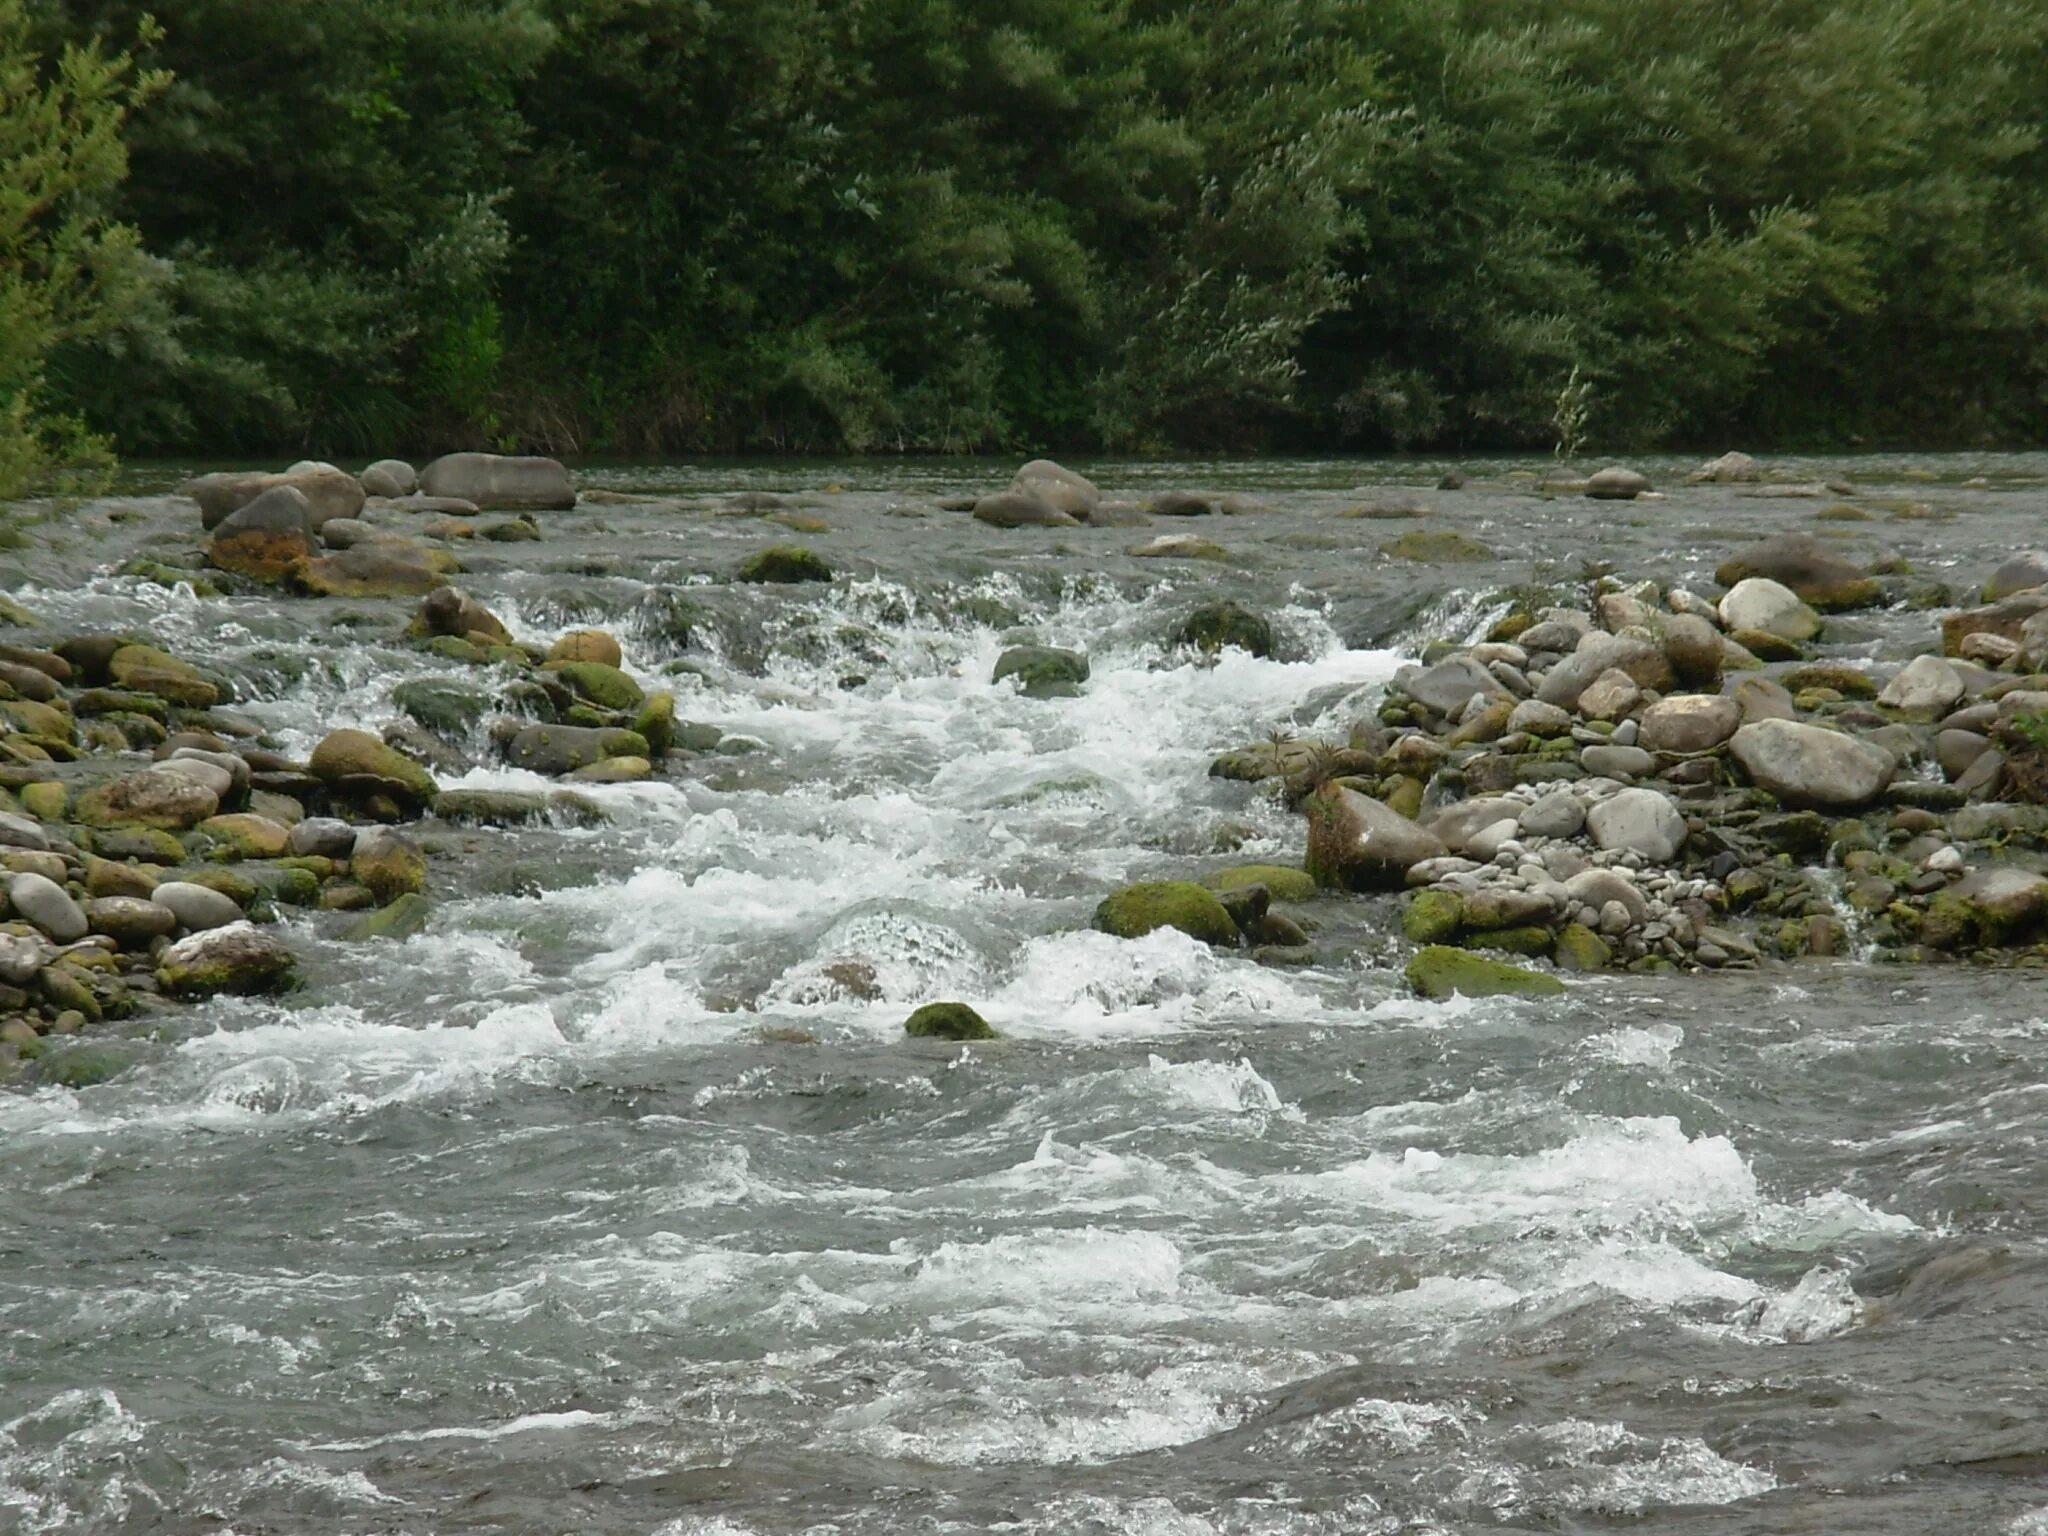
x=1440 y=971
x=1432 y=917
x=145 y=669
x=615 y=770
x=239 y=959
x=158 y=799
x=285 y=883
x=1282 y=881
x=355 y=764
x=1214 y=626
x=1986 y=908
x=1044 y=671
x=948 y=1021
x=605 y=686
x=784 y=565
x=47 y=799
x=245 y=835
x=656 y=722
x=81 y=1065
x=451 y=709
x=1579 y=948
x=1436 y=548
x=399 y=919
x=1137 y=910
x=389 y=864
x=1527 y=939
x=587 y=645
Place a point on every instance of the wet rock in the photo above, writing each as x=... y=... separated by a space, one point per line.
x=1808 y=567
x=389 y=863
x=1181 y=504
x=1760 y=605
x=43 y=902
x=246 y=836
x=1437 y=548
x=390 y=477
x=238 y=959
x=1014 y=509
x=1214 y=626
x=1446 y=688
x=195 y=906
x=270 y=540
x=1119 y=514
x=1994 y=906
x=1137 y=910
x=1439 y=972
x=1073 y=495
x=453 y=612
x=1688 y=723
x=606 y=687
x=164 y=798
x=1730 y=468
x=783 y=565
x=1178 y=546
x=1638 y=821
x=321 y=837
x=1043 y=671
x=1282 y=882
x=392 y=567
x=401 y=918
x=1579 y=948
x=1810 y=766
x=145 y=669
x=1598 y=652
x=516 y=808
x=497 y=482
x=357 y=765
x=326 y=492
x=2003 y=620
x=947 y=1021
x=560 y=749
x=1616 y=483
x=587 y=645
x=2026 y=570
x=1432 y=916
x=1358 y=843
x=1926 y=688
x=615 y=770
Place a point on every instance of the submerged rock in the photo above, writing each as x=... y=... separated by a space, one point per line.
x=357 y=764
x=1043 y=671
x=1809 y=567
x=238 y=959
x=783 y=565
x=1214 y=626
x=947 y=1021
x=1016 y=509
x=1439 y=972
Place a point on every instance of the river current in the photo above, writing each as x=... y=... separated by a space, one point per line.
x=618 y=1202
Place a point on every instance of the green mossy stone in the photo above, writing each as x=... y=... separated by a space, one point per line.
x=1213 y=626
x=1439 y=972
x=456 y=649
x=1282 y=882
x=231 y=883
x=352 y=754
x=606 y=687
x=294 y=887
x=1529 y=940
x=656 y=722
x=47 y=800
x=65 y=988
x=784 y=565
x=1432 y=917
x=1436 y=548
x=1406 y=796
x=400 y=919
x=144 y=845
x=1044 y=671
x=80 y=1066
x=451 y=709
x=948 y=1021
x=1579 y=948
x=1137 y=910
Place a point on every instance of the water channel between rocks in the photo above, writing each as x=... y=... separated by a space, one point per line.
x=618 y=1201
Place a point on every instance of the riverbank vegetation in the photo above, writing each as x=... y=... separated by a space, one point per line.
x=665 y=226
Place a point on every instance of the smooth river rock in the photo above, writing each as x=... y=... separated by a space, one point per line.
x=492 y=480
x=1809 y=765
x=1638 y=821
x=1354 y=841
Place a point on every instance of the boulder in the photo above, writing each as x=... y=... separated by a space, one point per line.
x=165 y=798
x=236 y=959
x=558 y=749
x=246 y=835
x=1992 y=906
x=1600 y=652
x=268 y=540
x=1018 y=509
x=1056 y=486
x=587 y=645
x=357 y=765
x=392 y=567
x=947 y=1021
x=1137 y=910
x=1808 y=567
x=389 y=863
x=325 y=491
x=1214 y=626
x=1612 y=762
x=132 y=922
x=490 y=480
x=1926 y=688
x=321 y=837
x=1613 y=695
x=1597 y=888
x=195 y=906
x=606 y=687
x=1807 y=765
x=1178 y=546
x=1043 y=671
x=1690 y=722
x=1694 y=648
x=1356 y=842
x=1446 y=688
x=2023 y=572
x=1536 y=718
x=453 y=612
x=1730 y=468
x=1638 y=821
x=45 y=903
x=1559 y=813
x=1432 y=916
x=20 y=832
x=2002 y=620
x=390 y=477
x=1181 y=504
x=784 y=565
x=145 y=669
x=1617 y=484
x=1282 y=882
x=1456 y=825
x=1768 y=607
x=1439 y=972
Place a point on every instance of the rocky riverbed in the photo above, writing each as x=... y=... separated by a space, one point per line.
x=433 y=805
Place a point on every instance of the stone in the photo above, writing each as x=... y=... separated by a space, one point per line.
x=1457 y=824
x=1439 y=972
x=133 y=922
x=783 y=565
x=21 y=956
x=1730 y=468
x=1993 y=906
x=615 y=770
x=1559 y=813
x=1610 y=762
x=1809 y=567
x=1688 y=723
x=1956 y=750
x=45 y=903
x=1137 y=910
x=400 y=918
x=1181 y=504
x=1042 y=671
x=356 y=764
x=558 y=749
x=1536 y=718
x=1807 y=765
x=2004 y=619
x=393 y=567
x=1616 y=483
x=947 y=1021
x=145 y=669
x=497 y=482
x=1215 y=626
x=1613 y=695
x=322 y=837
x=270 y=540
x=453 y=612
x=1638 y=821
x=1074 y=495
x=1017 y=509
x=237 y=959
x=1450 y=685
x=389 y=477
x=1767 y=607
x=1926 y=688
x=1432 y=916
x=389 y=863
x=1579 y=948
x=1761 y=699
x=196 y=906
x=1598 y=652
x=1178 y=546
x=20 y=832
x=1437 y=548
x=1281 y=882
x=587 y=645
x=326 y=492
x=655 y=723
x=606 y=687
x=2024 y=571
x=164 y=798
x=246 y=835
x=1694 y=648
x=1989 y=650
x=1357 y=843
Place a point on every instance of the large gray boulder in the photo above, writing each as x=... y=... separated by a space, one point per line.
x=45 y=903
x=1729 y=468
x=1638 y=821
x=1059 y=487
x=1021 y=509
x=1759 y=603
x=2022 y=573
x=1616 y=483
x=1600 y=652
x=1356 y=842
x=329 y=493
x=1926 y=688
x=196 y=907
x=391 y=477
x=1688 y=722
x=1809 y=765
x=495 y=481
x=1450 y=685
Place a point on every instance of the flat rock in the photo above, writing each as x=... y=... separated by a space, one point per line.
x=1688 y=722
x=1808 y=765
x=1638 y=821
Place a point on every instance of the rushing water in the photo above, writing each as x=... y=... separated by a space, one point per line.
x=618 y=1202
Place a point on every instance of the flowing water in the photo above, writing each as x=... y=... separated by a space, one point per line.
x=617 y=1201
